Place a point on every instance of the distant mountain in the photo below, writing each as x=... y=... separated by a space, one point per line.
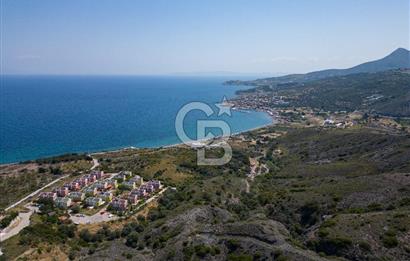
x=229 y=74
x=398 y=59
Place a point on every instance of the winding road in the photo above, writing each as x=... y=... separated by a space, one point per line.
x=34 y=193
x=23 y=220
x=24 y=217
x=95 y=165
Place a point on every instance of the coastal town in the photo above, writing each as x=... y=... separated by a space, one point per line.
x=275 y=107
x=256 y=102
x=280 y=110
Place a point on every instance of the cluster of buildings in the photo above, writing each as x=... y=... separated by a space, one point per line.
x=91 y=189
x=258 y=101
x=143 y=191
x=94 y=189
x=338 y=123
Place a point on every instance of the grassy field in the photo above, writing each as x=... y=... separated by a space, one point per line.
x=19 y=180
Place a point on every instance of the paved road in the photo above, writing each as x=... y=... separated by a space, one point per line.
x=154 y=197
x=35 y=193
x=95 y=163
x=22 y=222
x=151 y=199
x=96 y=218
x=24 y=217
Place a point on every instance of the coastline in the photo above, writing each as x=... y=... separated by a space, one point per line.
x=218 y=137
x=99 y=152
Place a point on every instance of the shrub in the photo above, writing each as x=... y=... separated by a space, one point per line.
x=232 y=244
x=282 y=258
x=71 y=255
x=389 y=239
x=188 y=252
x=39 y=232
x=91 y=250
x=67 y=230
x=331 y=246
x=141 y=218
x=309 y=214
x=42 y=170
x=364 y=246
x=202 y=250
x=356 y=210
x=155 y=214
x=329 y=223
x=132 y=240
x=374 y=207
x=5 y=222
x=405 y=202
x=243 y=257
x=171 y=254
x=85 y=235
x=75 y=209
x=323 y=232
x=390 y=242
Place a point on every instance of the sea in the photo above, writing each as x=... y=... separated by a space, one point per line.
x=43 y=116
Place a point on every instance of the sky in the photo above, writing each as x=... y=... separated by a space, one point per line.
x=148 y=37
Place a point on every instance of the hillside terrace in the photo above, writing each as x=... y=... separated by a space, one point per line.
x=96 y=189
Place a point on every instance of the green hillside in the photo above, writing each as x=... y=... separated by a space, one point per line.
x=386 y=93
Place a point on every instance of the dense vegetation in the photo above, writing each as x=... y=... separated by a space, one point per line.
x=64 y=158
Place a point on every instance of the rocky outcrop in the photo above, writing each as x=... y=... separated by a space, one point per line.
x=217 y=228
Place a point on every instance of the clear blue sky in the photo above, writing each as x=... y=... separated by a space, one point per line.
x=162 y=37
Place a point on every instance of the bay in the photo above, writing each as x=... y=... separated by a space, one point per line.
x=43 y=116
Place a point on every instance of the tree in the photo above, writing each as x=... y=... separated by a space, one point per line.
x=85 y=235
x=67 y=230
x=132 y=240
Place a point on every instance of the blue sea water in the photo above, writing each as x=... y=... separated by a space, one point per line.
x=43 y=116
